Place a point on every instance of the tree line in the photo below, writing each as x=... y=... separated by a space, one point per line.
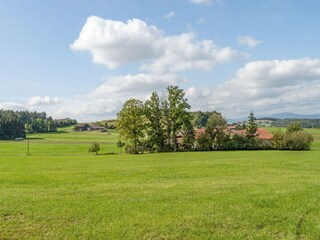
x=15 y=124
x=164 y=123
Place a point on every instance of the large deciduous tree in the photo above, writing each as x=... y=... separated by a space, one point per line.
x=131 y=124
x=177 y=111
x=216 y=126
x=156 y=131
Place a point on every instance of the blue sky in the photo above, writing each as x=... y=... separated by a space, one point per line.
x=83 y=59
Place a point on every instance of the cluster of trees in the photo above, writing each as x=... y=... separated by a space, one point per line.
x=163 y=123
x=65 y=122
x=11 y=125
x=305 y=123
x=294 y=138
x=154 y=125
x=36 y=122
x=15 y=124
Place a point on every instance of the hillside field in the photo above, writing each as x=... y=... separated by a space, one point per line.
x=61 y=191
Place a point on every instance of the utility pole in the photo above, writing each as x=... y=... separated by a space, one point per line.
x=28 y=147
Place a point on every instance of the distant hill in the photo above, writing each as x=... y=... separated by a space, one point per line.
x=285 y=115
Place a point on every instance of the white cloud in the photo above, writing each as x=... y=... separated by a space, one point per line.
x=106 y=100
x=170 y=15
x=12 y=106
x=248 y=41
x=36 y=101
x=133 y=85
x=114 y=43
x=208 y=2
x=266 y=87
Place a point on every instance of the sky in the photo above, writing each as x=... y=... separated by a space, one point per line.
x=84 y=59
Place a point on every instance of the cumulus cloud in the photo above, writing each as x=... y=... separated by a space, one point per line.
x=12 y=106
x=266 y=87
x=36 y=101
x=248 y=41
x=106 y=100
x=170 y=15
x=131 y=85
x=114 y=43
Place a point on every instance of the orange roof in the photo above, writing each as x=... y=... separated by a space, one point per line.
x=198 y=132
x=262 y=133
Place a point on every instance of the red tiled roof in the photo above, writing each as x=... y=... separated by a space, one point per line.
x=198 y=132
x=262 y=133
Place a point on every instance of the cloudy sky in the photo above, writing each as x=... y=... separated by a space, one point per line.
x=83 y=59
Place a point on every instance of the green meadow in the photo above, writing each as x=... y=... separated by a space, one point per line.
x=61 y=191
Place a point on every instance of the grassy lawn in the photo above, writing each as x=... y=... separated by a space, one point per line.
x=196 y=195
x=61 y=143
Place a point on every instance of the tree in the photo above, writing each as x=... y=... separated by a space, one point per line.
x=188 y=138
x=154 y=114
x=178 y=106
x=204 y=142
x=251 y=126
x=94 y=148
x=216 y=125
x=120 y=145
x=278 y=140
x=294 y=127
x=131 y=124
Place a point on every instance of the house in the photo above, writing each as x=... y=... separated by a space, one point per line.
x=81 y=127
x=95 y=127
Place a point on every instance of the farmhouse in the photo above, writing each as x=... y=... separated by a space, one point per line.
x=88 y=127
x=81 y=127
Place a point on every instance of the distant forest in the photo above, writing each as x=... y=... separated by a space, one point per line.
x=305 y=123
x=15 y=124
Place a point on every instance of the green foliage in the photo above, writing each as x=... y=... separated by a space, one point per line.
x=64 y=122
x=188 y=138
x=178 y=106
x=251 y=126
x=204 y=142
x=120 y=145
x=294 y=127
x=279 y=140
x=94 y=148
x=11 y=125
x=293 y=139
x=131 y=124
x=216 y=126
x=240 y=142
x=154 y=114
x=305 y=123
x=299 y=140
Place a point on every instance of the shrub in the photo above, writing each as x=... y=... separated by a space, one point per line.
x=278 y=140
x=298 y=140
x=204 y=142
x=94 y=148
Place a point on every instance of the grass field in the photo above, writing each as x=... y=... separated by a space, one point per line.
x=196 y=195
x=63 y=142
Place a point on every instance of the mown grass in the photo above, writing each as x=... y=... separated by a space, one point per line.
x=63 y=142
x=195 y=195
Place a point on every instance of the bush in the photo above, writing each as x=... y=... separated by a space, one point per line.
x=293 y=139
x=279 y=140
x=239 y=142
x=204 y=142
x=94 y=148
x=298 y=140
